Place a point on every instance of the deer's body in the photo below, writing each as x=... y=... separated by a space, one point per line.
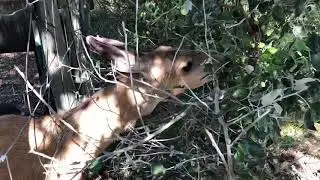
x=97 y=119
x=82 y=133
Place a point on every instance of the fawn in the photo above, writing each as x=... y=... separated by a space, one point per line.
x=57 y=146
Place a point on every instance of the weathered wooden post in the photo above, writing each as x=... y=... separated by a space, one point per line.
x=61 y=40
x=75 y=17
x=58 y=28
x=57 y=63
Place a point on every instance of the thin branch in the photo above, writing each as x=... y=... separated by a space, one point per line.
x=250 y=126
x=131 y=76
x=94 y=67
x=225 y=133
x=229 y=163
x=215 y=145
x=197 y=98
x=33 y=90
x=9 y=169
x=150 y=136
x=43 y=155
x=26 y=63
x=233 y=121
x=242 y=20
x=205 y=25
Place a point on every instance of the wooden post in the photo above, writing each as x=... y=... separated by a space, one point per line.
x=58 y=30
x=76 y=27
x=57 y=61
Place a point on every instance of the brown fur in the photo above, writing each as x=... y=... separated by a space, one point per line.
x=94 y=122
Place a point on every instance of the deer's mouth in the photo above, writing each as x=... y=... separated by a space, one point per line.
x=179 y=87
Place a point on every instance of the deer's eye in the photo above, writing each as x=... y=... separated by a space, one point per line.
x=187 y=67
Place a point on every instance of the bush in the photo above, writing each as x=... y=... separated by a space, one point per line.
x=266 y=62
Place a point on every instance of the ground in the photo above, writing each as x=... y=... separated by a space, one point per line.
x=300 y=158
x=12 y=86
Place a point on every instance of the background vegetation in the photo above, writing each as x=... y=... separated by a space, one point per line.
x=265 y=62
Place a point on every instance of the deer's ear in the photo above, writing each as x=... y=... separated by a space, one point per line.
x=164 y=48
x=124 y=61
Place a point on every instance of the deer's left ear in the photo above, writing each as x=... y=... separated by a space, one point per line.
x=124 y=61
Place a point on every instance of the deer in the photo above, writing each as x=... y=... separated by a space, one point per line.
x=46 y=147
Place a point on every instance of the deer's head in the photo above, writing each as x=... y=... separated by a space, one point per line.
x=164 y=68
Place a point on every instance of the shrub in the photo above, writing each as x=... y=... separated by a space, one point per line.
x=265 y=60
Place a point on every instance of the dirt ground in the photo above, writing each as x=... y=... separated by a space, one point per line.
x=12 y=86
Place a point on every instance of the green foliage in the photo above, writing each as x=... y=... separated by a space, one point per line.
x=157 y=169
x=95 y=168
x=266 y=58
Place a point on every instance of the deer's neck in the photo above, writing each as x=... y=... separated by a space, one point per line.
x=109 y=112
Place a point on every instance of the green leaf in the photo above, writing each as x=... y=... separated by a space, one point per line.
x=245 y=5
x=186 y=7
x=249 y=149
x=249 y=69
x=269 y=98
x=95 y=167
x=261 y=45
x=157 y=169
x=286 y=40
x=266 y=56
x=298 y=32
x=269 y=32
x=226 y=42
x=315 y=60
x=301 y=84
x=278 y=109
x=240 y=93
x=278 y=13
x=226 y=15
x=240 y=154
x=272 y=50
x=300 y=45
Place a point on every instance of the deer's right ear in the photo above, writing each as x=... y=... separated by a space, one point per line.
x=124 y=61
